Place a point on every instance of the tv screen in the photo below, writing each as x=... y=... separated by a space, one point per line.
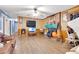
x=31 y=23
x=31 y=29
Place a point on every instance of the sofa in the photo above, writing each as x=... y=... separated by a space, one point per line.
x=8 y=44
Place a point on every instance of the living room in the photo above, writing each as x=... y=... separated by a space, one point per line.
x=40 y=32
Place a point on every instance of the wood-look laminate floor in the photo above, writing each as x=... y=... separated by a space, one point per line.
x=38 y=45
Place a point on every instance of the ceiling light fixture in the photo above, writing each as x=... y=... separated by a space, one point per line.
x=35 y=14
x=35 y=10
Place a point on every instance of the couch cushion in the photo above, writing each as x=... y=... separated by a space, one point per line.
x=0 y=40
x=1 y=45
x=7 y=38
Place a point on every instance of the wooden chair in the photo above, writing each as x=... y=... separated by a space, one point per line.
x=19 y=31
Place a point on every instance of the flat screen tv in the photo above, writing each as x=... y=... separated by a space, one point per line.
x=31 y=24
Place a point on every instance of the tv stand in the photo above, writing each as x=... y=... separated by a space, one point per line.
x=31 y=33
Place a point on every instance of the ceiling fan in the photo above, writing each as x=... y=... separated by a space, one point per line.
x=35 y=9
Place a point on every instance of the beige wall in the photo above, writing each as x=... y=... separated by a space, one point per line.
x=74 y=9
x=64 y=21
x=22 y=22
x=39 y=23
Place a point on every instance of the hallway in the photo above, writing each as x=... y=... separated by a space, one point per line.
x=38 y=45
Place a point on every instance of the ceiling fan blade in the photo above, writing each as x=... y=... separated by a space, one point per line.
x=30 y=8
x=26 y=9
x=38 y=6
x=43 y=12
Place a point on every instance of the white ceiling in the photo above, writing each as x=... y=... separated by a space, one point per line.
x=28 y=10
